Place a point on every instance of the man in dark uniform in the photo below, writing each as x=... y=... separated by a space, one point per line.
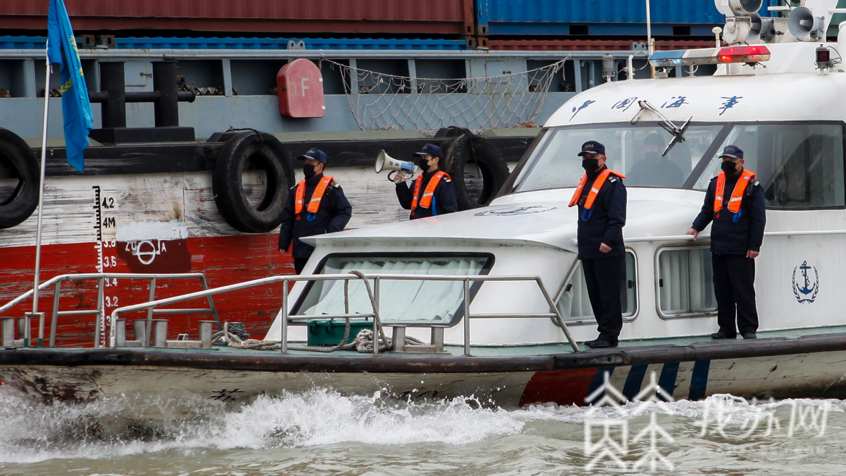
x=601 y=200
x=735 y=203
x=433 y=192
x=655 y=170
x=316 y=205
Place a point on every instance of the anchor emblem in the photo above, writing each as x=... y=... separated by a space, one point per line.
x=806 y=292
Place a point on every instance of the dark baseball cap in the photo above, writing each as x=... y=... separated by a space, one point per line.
x=592 y=147
x=314 y=154
x=431 y=149
x=732 y=152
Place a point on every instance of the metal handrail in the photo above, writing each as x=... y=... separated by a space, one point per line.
x=377 y=278
x=101 y=277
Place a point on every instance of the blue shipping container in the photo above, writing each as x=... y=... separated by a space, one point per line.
x=594 y=17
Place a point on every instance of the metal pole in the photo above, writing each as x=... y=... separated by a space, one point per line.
x=284 y=338
x=649 y=35
x=56 y=294
x=376 y=313
x=101 y=309
x=467 y=317
x=554 y=309
x=41 y=186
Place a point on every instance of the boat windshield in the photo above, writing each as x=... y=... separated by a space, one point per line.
x=634 y=150
x=800 y=165
x=407 y=302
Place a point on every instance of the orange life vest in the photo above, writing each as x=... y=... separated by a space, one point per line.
x=426 y=200
x=594 y=191
x=736 y=194
x=316 y=197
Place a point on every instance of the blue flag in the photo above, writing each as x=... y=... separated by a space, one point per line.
x=76 y=107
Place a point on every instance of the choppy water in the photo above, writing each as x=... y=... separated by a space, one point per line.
x=322 y=432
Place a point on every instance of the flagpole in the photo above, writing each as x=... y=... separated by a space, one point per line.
x=41 y=196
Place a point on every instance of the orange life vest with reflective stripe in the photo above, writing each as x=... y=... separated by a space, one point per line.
x=594 y=189
x=736 y=194
x=316 y=197
x=426 y=200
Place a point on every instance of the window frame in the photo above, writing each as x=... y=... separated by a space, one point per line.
x=656 y=271
x=542 y=143
x=728 y=127
x=569 y=276
x=456 y=318
x=525 y=168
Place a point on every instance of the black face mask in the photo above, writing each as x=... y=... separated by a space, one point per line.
x=590 y=165
x=308 y=170
x=423 y=163
x=730 y=168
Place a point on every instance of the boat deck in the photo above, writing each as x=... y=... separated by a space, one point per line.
x=453 y=360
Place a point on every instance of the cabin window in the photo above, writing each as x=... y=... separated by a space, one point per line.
x=685 y=282
x=573 y=302
x=410 y=303
x=800 y=165
x=634 y=150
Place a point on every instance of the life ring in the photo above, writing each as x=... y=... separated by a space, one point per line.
x=258 y=150
x=476 y=168
x=18 y=162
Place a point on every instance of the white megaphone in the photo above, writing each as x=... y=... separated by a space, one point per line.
x=386 y=162
x=804 y=25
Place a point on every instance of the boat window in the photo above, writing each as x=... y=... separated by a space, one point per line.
x=800 y=165
x=573 y=302
x=400 y=302
x=634 y=150
x=685 y=282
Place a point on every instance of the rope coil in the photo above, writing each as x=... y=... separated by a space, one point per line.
x=235 y=335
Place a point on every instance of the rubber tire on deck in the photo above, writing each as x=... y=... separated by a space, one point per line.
x=18 y=161
x=489 y=160
x=226 y=182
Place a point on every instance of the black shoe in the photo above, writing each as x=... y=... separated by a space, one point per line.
x=590 y=342
x=720 y=335
x=749 y=335
x=600 y=344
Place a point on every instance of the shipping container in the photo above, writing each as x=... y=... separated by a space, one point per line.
x=318 y=17
x=533 y=18
x=596 y=45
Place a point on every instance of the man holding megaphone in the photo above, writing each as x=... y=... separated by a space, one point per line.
x=433 y=192
x=317 y=205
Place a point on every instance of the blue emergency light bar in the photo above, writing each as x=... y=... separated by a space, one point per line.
x=731 y=54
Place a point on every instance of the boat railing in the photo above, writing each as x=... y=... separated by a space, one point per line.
x=377 y=279
x=102 y=283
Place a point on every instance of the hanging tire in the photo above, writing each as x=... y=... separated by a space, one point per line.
x=17 y=162
x=477 y=170
x=236 y=200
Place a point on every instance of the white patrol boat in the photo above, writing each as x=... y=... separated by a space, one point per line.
x=491 y=301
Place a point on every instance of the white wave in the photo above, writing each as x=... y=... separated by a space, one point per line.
x=32 y=432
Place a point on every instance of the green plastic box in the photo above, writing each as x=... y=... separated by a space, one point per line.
x=331 y=331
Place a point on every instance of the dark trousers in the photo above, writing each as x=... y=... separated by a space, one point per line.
x=604 y=278
x=299 y=264
x=734 y=278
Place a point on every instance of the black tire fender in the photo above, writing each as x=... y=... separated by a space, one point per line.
x=477 y=170
x=17 y=161
x=267 y=152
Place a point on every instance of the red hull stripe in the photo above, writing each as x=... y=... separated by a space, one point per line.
x=564 y=387
x=224 y=260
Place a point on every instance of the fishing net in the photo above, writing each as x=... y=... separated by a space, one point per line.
x=381 y=101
